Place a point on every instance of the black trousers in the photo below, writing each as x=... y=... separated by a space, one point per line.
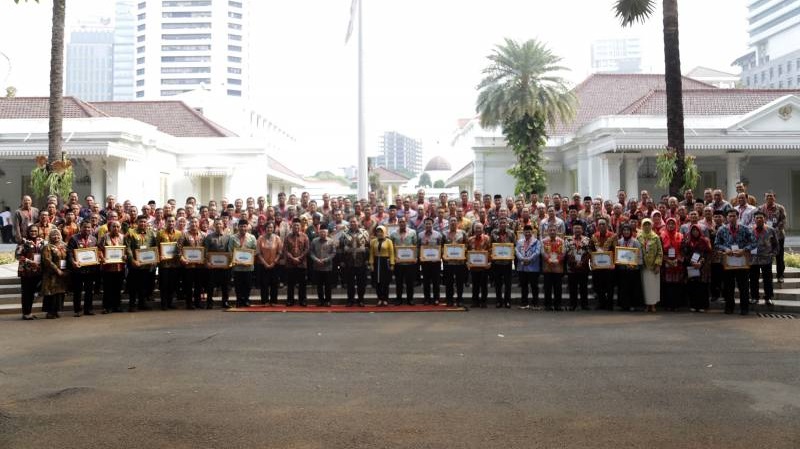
x=578 y=284
x=295 y=277
x=168 y=284
x=52 y=303
x=324 y=282
x=242 y=282
x=405 y=277
x=455 y=275
x=356 y=280
x=698 y=294
x=529 y=283
x=112 y=289
x=431 y=280
x=630 y=292
x=673 y=295
x=502 y=282
x=552 y=289
x=194 y=283
x=480 y=287
x=765 y=271
x=734 y=278
x=780 y=265
x=218 y=279
x=139 y=281
x=83 y=285
x=717 y=277
x=382 y=276
x=29 y=284
x=268 y=284
x=603 y=282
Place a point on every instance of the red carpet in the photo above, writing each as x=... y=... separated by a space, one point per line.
x=345 y=309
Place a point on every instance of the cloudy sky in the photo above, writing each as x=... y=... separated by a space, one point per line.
x=423 y=59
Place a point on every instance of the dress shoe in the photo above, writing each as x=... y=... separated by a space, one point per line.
x=361 y=304
x=133 y=309
x=76 y=314
x=89 y=313
x=28 y=317
x=508 y=305
x=498 y=305
x=768 y=303
x=106 y=311
x=190 y=306
x=145 y=306
x=744 y=312
x=50 y=316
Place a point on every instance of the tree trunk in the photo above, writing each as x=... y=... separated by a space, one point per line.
x=56 y=82
x=672 y=77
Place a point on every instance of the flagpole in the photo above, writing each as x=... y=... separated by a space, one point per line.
x=363 y=178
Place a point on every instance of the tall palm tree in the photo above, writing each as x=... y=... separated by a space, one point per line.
x=522 y=93
x=632 y=11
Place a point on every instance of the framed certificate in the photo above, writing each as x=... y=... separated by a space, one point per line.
x=455 y=252
x=626 y=256
x=219 y=260
x=168 y=250
x=244 y=256
x=194 y=254
x=86 y=256
x=391 y=229
x=430 y=253
x=478 y=259
x=147 y=256
x=602 y=260
x=502 y=251
x=730 y=262
x=113 y=254
x=405 y=254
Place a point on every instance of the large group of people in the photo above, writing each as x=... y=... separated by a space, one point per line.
x=641 y=252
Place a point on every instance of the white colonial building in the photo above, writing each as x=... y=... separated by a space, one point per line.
x=143 y=150
x=736 y=134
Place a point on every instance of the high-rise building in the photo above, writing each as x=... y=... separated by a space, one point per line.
x=182 y=45
x=399 y=152
x=89 y=62
x=617 y=55
x=124 y=51
x=773 y=61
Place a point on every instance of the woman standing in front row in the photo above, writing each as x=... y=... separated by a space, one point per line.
x=629 y=278
x=29 y=255
x=652 y=256
x=54 y=274
x=381 y=262
x=697 y=256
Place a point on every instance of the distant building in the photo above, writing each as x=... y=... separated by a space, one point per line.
x=713 y=77
x=124 y=50
x=89 y=63
x=399 y=152
x=773 y=61
x=617 y=55
x=184 y=45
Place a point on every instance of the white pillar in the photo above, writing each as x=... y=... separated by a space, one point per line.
x=584 y=177
x=632 y=174
x=612 y=179
x=97 y=175
x=478 y=172
x=734 y=172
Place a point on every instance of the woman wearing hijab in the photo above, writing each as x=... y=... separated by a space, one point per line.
x=697 y=257
x=54 y=274
x=651 y=260
x=672 y=269
x=381 y=262
x=629 y=278
x=657 y=219
x=29 y=255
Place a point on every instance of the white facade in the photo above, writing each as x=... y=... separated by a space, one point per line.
x=182 y=45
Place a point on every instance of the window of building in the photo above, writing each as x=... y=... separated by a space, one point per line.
x=234 y=37
x=140 y=27
x=178 y=3
x=185 y=37
x=141 y=16
x=140 y=38
x=234 y=26
x=234 y=70
x=234 y=93
x=747 y=81
x=763 y=76
x=780 y=70
x=185 y=47
x=771 y=73
x=234 y=48
x=140 y=71
x=234 y=59
x=185 y=69
x=171 y=92
x=789 y=67
x=234 y=81
x=780 y=84
x=185 y=14
x=234 y=15
x=235 y=4
x=142 y=5
x=203 y=58
x=140 y=60
x=139 y=93
x=140 y=50
x=185 y=26
x=139 y=83
x=185 y=80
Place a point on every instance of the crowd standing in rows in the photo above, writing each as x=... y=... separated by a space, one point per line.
x=676 y=249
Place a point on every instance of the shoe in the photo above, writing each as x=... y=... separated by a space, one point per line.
x=190 y=306
x=76 y=314
x=89 y=313
x=361 y=304
x=744 y=312
x=458 y=304
x=210 y=305
x=754 y=301
x=780 y=280
x=225 y=306
x=349 y=304
x=701 y=310
x=484 y=306
x=303 y=304
x=50 y=316
x=693 y=310
x=436 y=303
x=768 y=303
x=145 y=306
x=728 y=312
x=116 y=310
x=289 y=304
x=572 y=309
x=536 y=308
x=133 y=309
x=28 y=317
x=163 y=307
x=508 y=305
x=172 y=307
x=585 y=308
x=449 y=303
x=499 y=305
x=105 y=312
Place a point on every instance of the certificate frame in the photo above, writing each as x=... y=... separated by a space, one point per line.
x=114 y=254
x=194 y=255
x=86 y=257
x=430 y=253
x=602 y=260
x=503 y=251
x=244 y=257
x=626 y=256
x=478 y=259
x=405 y=254
x=167 y=254
x=391 y=229
x=219 y=260
x=455 y=251
x=730 y=262
x=147 y=256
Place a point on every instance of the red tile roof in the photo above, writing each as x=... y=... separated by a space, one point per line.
x=278 y=167
x=39 y=107
x=609 y=94
x=387 y=175
x=709 y=101
x=171 y=117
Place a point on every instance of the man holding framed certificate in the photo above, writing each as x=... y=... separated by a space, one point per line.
x=502 y=256
x=194 y=270
x=405 y=271
x=140 y=275
x=169 y=266
x=479 y=243
x=528 y=251
x=112 y=273
x=243 y=244
x=218 y=242
x=430 y=261
x=455 y=269
x=84 y=274
x=735 y=241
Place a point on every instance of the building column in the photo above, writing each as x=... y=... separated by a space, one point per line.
x=733 y=172
x=97 y=176
x=632 y=161
x=478 y=172
x=613 y=163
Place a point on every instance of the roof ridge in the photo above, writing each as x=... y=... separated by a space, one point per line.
x=636 y=105
x=86 y=106
x=224 y=132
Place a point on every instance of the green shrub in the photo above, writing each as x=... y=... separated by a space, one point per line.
x=6 y=258
x=792 y=259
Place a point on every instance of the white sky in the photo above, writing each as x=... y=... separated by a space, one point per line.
x=423 y=59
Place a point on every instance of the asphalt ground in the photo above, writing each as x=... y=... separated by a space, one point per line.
x=477 y=379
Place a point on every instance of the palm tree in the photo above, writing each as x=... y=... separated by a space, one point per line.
x=522 y=93
x=632 y=11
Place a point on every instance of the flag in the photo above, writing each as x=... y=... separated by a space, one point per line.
x=353 y=9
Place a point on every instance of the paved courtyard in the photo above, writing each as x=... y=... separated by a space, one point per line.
x=482 y=379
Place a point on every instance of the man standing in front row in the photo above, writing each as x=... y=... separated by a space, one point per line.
x=295 y=250
x=735 y=241
x=323 y=251
x=405 y=272
x=140 y=276
x=761 y=259
x=353 y=248
x=243 y=273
